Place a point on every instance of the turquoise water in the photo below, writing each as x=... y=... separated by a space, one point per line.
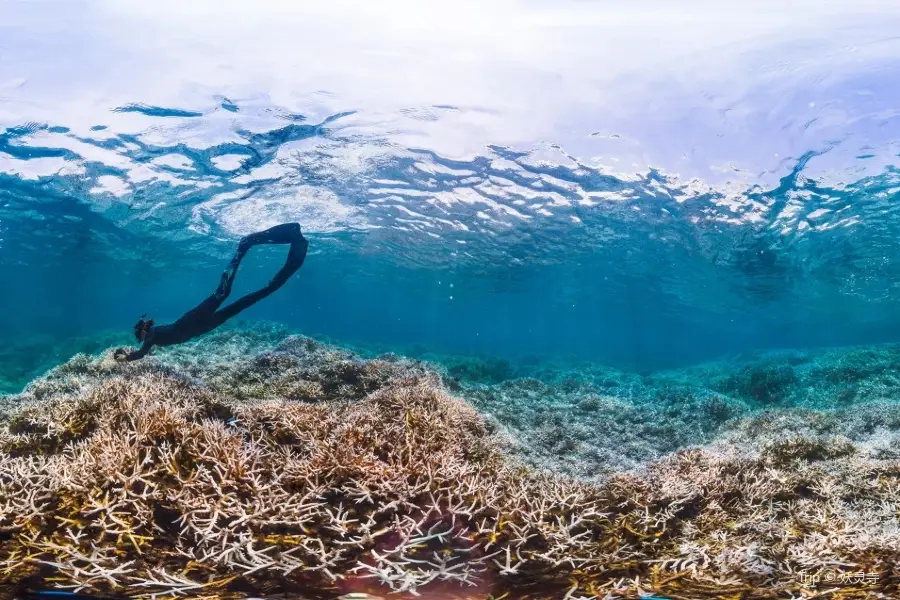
x=484 y=192
x=608 y=290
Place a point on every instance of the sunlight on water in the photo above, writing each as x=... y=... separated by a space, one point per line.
x=683 y=167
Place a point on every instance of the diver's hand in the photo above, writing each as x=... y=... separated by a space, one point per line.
x=120 y=354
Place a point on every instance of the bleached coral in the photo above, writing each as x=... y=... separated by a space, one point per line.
x=166 y=477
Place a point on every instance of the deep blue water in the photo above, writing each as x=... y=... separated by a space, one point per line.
x=539 y=197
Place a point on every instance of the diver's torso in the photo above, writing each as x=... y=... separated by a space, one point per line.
x=180 y=331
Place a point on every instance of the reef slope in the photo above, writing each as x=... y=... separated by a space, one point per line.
x=254 y=463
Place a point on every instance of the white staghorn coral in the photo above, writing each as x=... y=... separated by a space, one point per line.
x=150 y=478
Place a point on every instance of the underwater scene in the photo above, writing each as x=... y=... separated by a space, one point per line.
x=519 y=299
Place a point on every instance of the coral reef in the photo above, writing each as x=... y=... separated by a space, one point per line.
x=252 y=462
x=816 y=379
x=591 y=431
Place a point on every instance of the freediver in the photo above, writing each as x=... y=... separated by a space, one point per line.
x=206 y=316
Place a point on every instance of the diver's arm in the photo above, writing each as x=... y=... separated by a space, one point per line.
x=141 y=353
x=123 y=356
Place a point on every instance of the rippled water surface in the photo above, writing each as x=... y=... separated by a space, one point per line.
x=630 y=183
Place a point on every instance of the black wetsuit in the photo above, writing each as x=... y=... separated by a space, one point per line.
x=207 y=316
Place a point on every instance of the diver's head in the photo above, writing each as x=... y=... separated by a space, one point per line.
x=142 y=328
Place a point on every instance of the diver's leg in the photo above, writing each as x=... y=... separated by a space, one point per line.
x=296 y=256
x=228 y=274
x=209 y=306
x=222 y=315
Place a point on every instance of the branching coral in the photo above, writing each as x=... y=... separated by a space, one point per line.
x=156 y=479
